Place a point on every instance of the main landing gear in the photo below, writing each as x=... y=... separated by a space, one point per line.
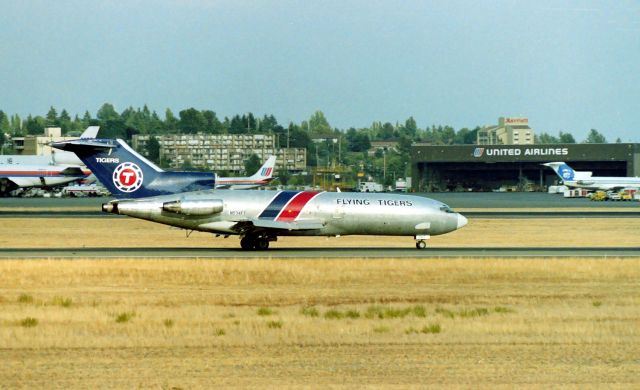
x=420 y=241
x=256 y=242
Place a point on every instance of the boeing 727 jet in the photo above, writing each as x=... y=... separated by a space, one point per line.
x=258 y=217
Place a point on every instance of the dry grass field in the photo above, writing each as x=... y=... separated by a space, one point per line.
x=129 y=232
x=319 y=323
x=332 y=323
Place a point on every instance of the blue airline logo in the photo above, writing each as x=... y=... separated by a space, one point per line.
x=565 y=172
x=478 y=152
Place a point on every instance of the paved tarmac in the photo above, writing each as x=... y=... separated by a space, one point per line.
x=315 y=253
x=540 y=205
x=454 y=199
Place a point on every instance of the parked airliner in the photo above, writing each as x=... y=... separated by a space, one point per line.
x=19 y=171
x=100 y=154
x=584 y=179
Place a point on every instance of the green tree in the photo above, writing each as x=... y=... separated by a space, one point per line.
x=5 y=125
x=16 y=124
x=298 y=138
x=237 y=125
x=107 y=113
x=252 y=164
x=4 y=128
x=153 y=149
x=156 y=126
x=318 y=124
x=386 y=132
x=269 y=124
x=214 y=126
x=595 y=137
x=447 y=135
x=250 y=123
x=35 y=125
x=410 y=127
x=566 y=138
x=357 y=141
x=170 y=122
x=192 y=121
x=52 y=118
x=546 y=138
x=64 y=120
x=86 y=119
x=404 y=146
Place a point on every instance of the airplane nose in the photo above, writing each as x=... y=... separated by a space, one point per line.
x=461 y=221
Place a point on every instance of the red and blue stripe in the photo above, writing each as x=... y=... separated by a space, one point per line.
x=266 y=171
x=287 y=205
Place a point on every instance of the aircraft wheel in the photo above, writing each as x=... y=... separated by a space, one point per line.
x=421 y=244
x=262 y=244
x=247 y=243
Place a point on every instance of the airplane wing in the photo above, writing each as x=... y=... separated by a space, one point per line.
x=72 y=171
x=265 y=224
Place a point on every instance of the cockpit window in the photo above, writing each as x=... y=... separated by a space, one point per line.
x=446 y=209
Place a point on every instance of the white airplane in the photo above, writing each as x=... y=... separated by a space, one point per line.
x=262 y=177
x=18 y=171
x=584 y=179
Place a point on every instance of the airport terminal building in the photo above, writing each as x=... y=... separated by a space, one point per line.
x=514 y=167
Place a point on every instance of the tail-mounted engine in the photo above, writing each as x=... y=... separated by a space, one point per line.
x=194 y=207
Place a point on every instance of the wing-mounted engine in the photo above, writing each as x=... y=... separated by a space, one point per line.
x=194 y=207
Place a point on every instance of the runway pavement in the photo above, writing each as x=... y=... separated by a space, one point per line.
x=482 y=205
x=469 y=214
x=314 y=253
x=539 y=200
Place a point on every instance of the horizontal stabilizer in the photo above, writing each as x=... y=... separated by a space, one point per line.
x=81 y=143
x=308 y=224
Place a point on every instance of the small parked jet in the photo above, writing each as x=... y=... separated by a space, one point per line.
x=584 y=179
x=262 y=177
x=258 y=217
x=18 y=171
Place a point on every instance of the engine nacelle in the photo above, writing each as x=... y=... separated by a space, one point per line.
x=194 y=207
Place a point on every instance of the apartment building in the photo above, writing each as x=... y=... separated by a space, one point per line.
x=222 y=152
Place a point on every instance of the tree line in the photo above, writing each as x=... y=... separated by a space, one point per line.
x=191 y=121
x=326 y=145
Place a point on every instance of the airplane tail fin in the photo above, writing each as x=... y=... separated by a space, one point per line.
x=266 y=170
x=565 y=172
x=127 y=174
x=90 y=132
x=561 y=169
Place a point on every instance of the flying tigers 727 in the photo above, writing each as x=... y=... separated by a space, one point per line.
x=258 y=217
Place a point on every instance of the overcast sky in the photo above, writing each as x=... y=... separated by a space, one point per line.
x=567 y=65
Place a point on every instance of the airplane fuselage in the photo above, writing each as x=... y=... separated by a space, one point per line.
x=14 y=176
x=297 y=213
x=604 y=183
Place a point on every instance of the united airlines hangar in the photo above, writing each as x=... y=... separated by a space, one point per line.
x=514 y=167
